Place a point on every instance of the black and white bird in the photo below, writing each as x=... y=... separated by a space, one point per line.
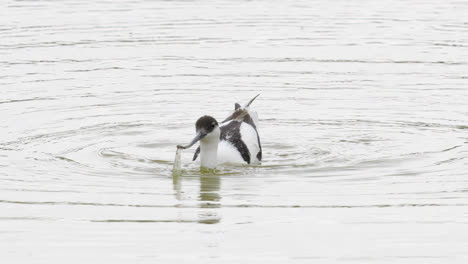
x=234 y=141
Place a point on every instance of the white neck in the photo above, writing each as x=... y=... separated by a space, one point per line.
x=209 y=150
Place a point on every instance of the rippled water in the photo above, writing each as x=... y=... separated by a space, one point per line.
x=364 y=125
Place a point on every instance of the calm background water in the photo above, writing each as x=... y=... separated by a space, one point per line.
x=364 y=125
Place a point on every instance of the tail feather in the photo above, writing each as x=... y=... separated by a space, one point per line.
x=248 y=104
x=242 y=113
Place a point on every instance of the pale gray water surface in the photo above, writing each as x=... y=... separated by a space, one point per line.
x=364 y=124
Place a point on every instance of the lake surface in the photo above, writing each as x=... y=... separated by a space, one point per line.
x=363 y=120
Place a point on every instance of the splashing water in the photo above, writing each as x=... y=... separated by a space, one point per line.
x=177 y=163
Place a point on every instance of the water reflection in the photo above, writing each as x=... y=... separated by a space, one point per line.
x=177 y=185
x=209 y=196
x=209 y=190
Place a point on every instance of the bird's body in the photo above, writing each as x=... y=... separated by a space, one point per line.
x=234 y=141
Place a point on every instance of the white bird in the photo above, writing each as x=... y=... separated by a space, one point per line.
x=234 y=141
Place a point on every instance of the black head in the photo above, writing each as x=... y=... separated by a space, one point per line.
x=205 y=124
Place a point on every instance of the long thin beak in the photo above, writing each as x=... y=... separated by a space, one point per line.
x=199 y=136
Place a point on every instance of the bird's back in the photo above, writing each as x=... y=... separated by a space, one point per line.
x=239 y=138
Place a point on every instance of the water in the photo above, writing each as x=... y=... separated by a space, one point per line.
x=363 y=119
x=177 y=166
